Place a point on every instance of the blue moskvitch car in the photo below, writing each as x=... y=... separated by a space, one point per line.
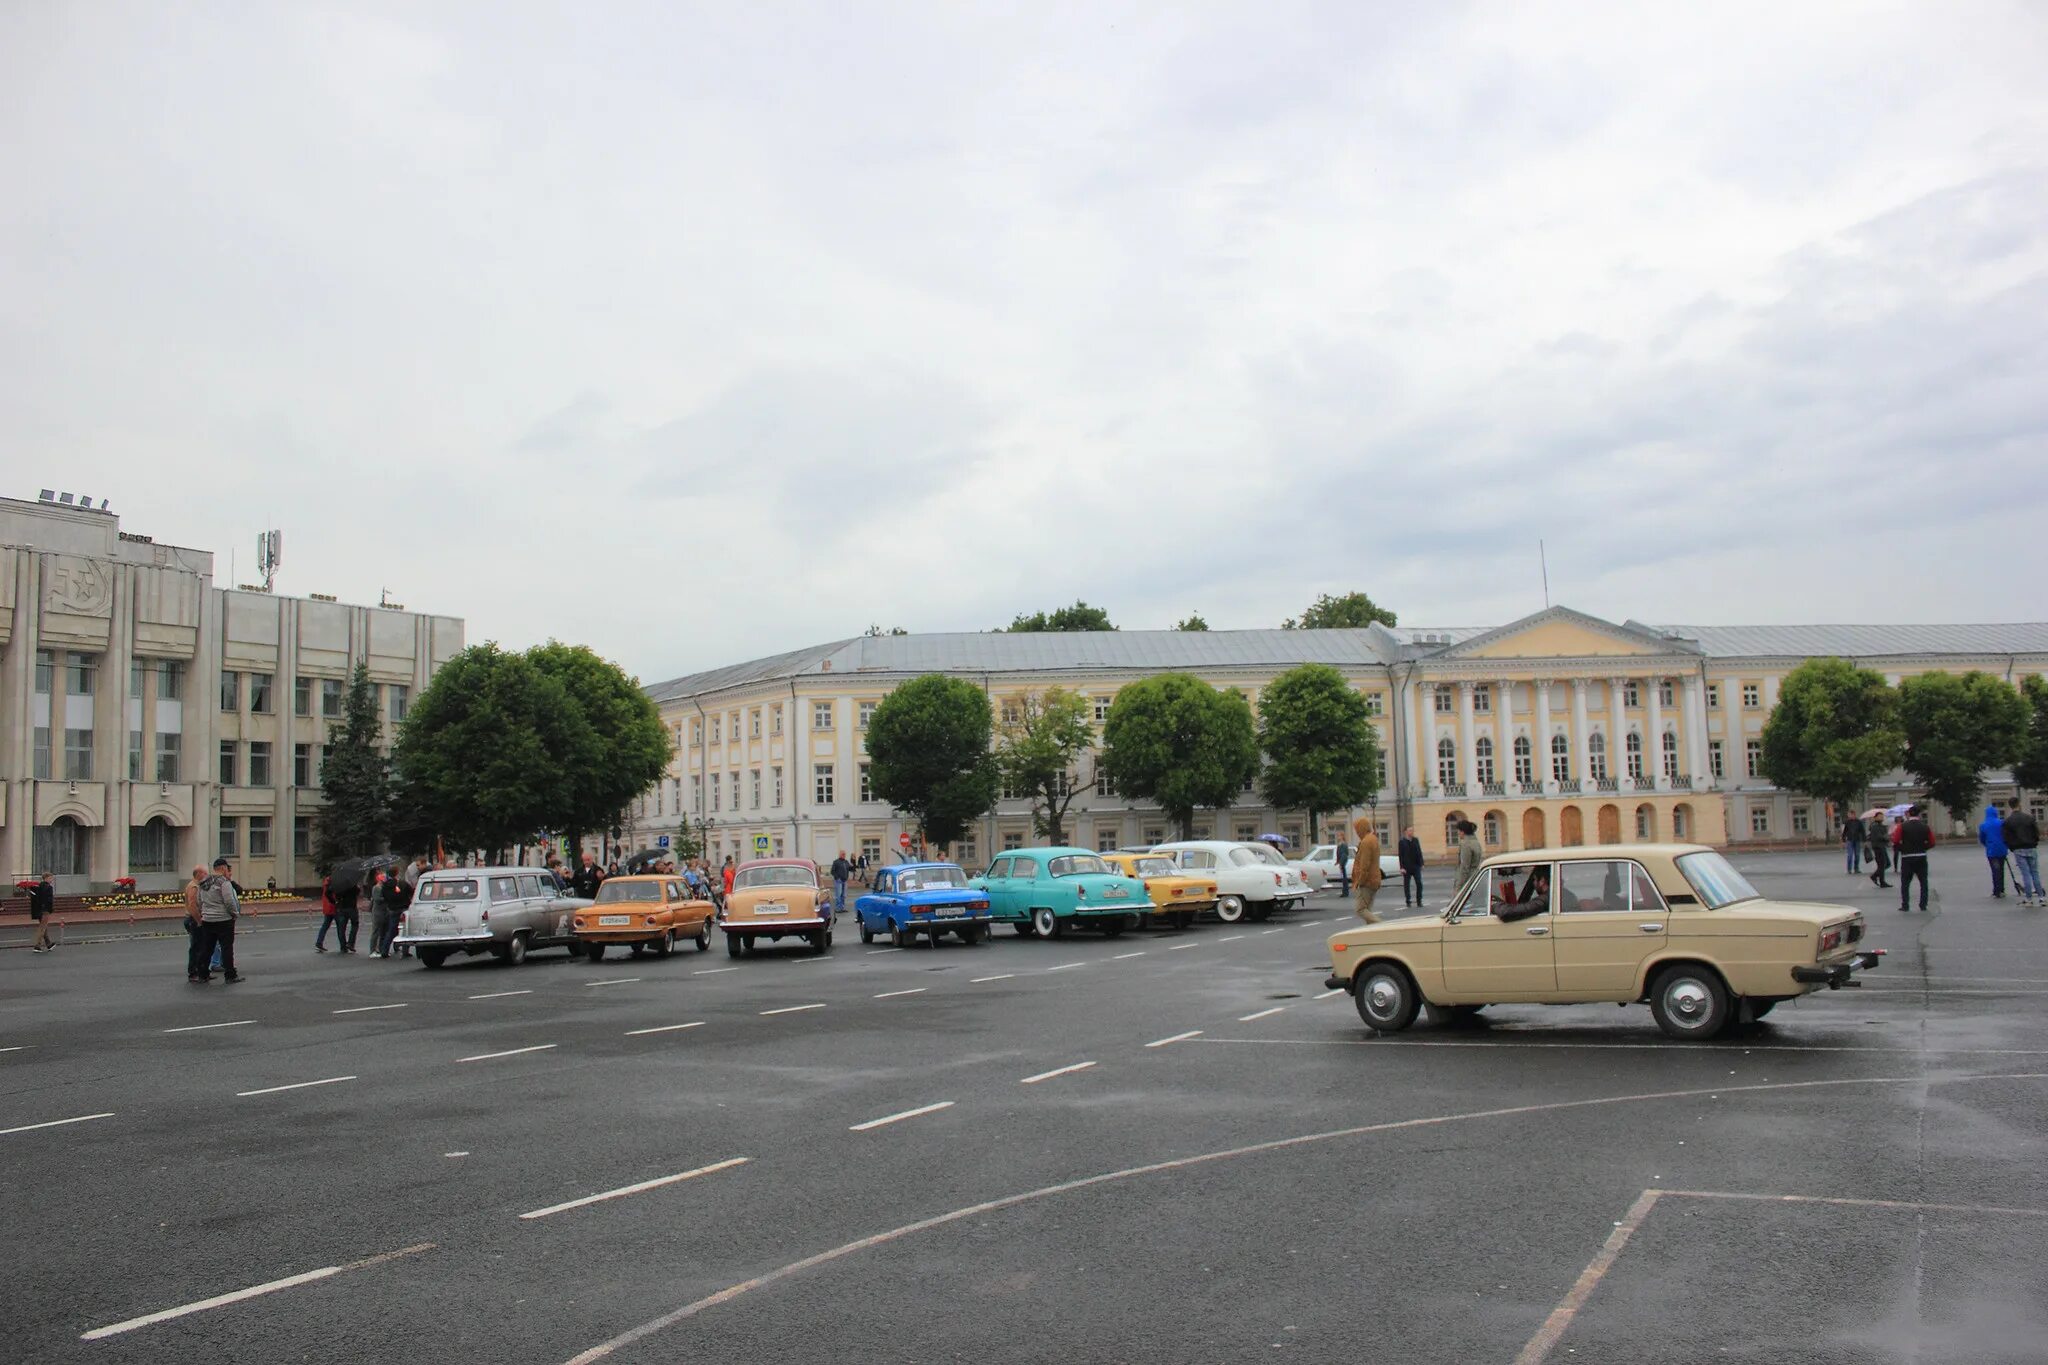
x=928 y=899
x=1044 y=892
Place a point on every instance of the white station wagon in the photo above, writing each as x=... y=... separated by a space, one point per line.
x=502 y=911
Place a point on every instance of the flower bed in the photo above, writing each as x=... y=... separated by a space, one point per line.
x=165 y=900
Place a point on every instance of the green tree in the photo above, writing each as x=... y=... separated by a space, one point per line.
x=487 y=751
x=875 y=631
x=2030 y=768
x=1174 y=740
x=1352 y=610
x=355 y=781
x=1037 y=752
x=1957 y=726
x=1322 y=752
x=1834 y=731
x=633 y=747
x=928 y=754
x=686 y=844
x=1194 y=621
x=1080 y=616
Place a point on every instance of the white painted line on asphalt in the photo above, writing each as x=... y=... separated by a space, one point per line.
x=1231 y=939
x=791 y=1009
x=1176 y=1038
x=253 y=1291
x=55 y=1123
x=301 y=1085
x=1060 y=1071
x=640 y=1188
x=977 y=980
x=1281 y=930
x=1178 y=946
x=17 y=1048
x=615 y=981
x=713 y=971
x=1539 y=1346
x=665 y=1028
x=512 y=1052
x=1327 y=994
x=199 y=1028
x=1065 y=965
x=1121 y=957
x=499 y=995
x=1262 y=1014
x=1625 y=1047
x=455 y=1154
x=877 y=952
x=365 y=1009
x=890 y=995
x=898 y=1118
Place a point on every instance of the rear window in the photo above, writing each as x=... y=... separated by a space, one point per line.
x=1078 y=865
x=462 y=890
x=1714 y=880
x=628 y=891
x=930 y=879
x=774 y=876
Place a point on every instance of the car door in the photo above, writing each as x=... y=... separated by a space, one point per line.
x=1490 y=959
x=1026 y=883
x=509 y=913
x=533 y=896
x=996 y=881
x=878 y=907
x=1609 y=918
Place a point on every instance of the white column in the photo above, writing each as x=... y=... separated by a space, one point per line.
x=1653 y=742
x=1696 y=732
x=1424 y=698
x=1504 y=733
x=1581 y=733
x=1617 y=732
x=1539 y=742
x=1468 y=768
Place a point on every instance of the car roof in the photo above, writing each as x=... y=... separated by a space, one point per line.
x=1596 y=852
x=643 y=877
x=777 y=862
x=1051 y=851
x=906 y=867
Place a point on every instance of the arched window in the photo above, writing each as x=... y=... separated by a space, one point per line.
x=1451 y=823
x=1671 y=755
x=1560 y=759
x=1596 y=754
x=1482 y=761
x=1634 y=747
x=1525 y=761
x=153 y=847
x=1492 y=826
x=1446 y=761
x=1646 y=823
x=62 y=848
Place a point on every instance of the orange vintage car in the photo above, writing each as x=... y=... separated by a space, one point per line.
x=1176 y=897
x=653 y=912
x=776 y=898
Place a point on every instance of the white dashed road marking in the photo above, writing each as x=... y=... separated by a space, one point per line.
x=665 y=1028
x=1065 y=966
x=713 y=971
x=1176 y=1038
x=1247 y=1018
x=890 y=995
x=200 y=1028
x=615 y=981
x=499 y=995
x=1178 y=946
x=1281 y=930
x=1231 y=939
x=898 y=1118
x=1327 y=994
x=1121 y=957
x=1058 y=1071
x=640 y=1188
x=254 y=1291
x=791 y=1009
x=13 y=1049
x=366 y=1009
x=301 y=1085
x=512 y=1052
x=976 y=981
x=877 y=952
x=55 y=1123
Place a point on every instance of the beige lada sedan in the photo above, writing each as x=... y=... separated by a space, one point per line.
x=1671 y=924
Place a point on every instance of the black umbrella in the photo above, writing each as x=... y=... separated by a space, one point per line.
x=645 y=860
x=360 y=872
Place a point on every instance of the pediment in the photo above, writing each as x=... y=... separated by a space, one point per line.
x=1561 y=633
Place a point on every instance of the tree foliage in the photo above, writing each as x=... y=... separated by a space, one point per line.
x=1956 y=726
x=1834 y=731
x=1352 y=610
x=2030 y=768
x=488 y=752
x=928 y=754
x=1080 y=616
x=1322 y=752
x=1037 y=752
x=1176 y=741
x=355 y=781
x=1193 y=621
x=632 y=746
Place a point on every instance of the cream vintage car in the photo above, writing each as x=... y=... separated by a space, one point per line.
x=1671 y=924
x=773 y=899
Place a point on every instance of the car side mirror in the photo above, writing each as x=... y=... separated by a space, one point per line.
x=1514 y=914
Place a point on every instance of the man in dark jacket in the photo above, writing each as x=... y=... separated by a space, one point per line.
x=841 y=870
x=220 y=905
x=1852 y=843
x=1409 y=851
x=1915 y=838
x=1343 y=856
x=42 y=903
x=1880 y=850
x=2023 y=838
x=587 y=879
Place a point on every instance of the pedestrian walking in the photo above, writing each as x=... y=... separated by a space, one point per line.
x=1852 y=843
x=347 y=917
x=1880 y=848
x=195 y=936
x=841 y=870
x=587 y=879
x=1914 y=841
x=2023 y=837
x=1365 y=886
x=328 y=910
x=219 y=907
x=42 y=906
x=1408 y=850
x=1343 y=867
x=1991 y=834
x=1470 y=855
x=726 y=875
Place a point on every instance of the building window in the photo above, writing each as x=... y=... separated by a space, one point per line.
x=1753 y=757
x=871 y=849
x=81 y=672
x=302 y=765
x=330 y=704
x=135 y=755
x=1759 y=820
x=1642 y=822
x=78 y=755
x=230 y=765
x=302 y=836
x=230 y=691
x=1752 y=697
x=696 y=792
x=401 y=698
x=1802 y=819
x=1560 y=759
x=1154 y=836
x=753 y=725
x=1633 y=745
x=1012 y=713
x=1525 y=761
x=259 y=763
x=1446 y=760
x=1386 y=769
x=137 y=668
x=1631 y=698
x=1104 y=786
x=167 y=756
x=1105 y=839
x=775 y=720
x=1665 y=695
x=717 y=729
x=1670 y=754
x=1714 y=751
x=776 y=774
x=1482 y=763
x=754 y=787
x=259 y=836
x=153 y=847
x=1482 y=699
x=1011 y=840
x=867 y=784
x=867 y=714
x=1713 y=696
x=1596 y=755
x=170 y=680
x=1492 y=828
x=1102 y=705
x=821 y=715
x=62 y=848
x=1445 y=705
x=260 y=687
x=1247 y=833
x=1007 y=790
x=822 y=789
x=732 y=729
x=696 y=732
x=45 y=666
x=230 y=841
x=717 y=786
x=1375 y=705
x=302 y=696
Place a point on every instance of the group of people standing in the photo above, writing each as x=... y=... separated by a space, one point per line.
x=1363 y=865
x=2011 y=841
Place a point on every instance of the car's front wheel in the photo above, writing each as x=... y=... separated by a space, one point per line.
x=1690 y=1003
x=867 y=935
x=1387 y=1000
x=1024 y=929
x=704 y=937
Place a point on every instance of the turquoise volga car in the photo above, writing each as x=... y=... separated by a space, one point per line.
x=1047 y=891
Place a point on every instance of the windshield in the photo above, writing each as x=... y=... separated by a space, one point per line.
x=1078 y=865
x=628 y=891
x=1156 y=867
x=464 y=890
x=1714 y=880
x=930 y=878
x=774 y=876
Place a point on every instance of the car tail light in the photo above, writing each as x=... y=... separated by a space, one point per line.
x=650 y=919
x=978 y=905
x=485 y=917
x=1081 y=893
x=1830 y=940
x=1279 y=879
x=582 y=923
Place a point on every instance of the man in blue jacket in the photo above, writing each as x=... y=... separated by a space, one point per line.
x=1991 y=834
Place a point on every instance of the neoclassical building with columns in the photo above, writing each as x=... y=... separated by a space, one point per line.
x=1560 y=728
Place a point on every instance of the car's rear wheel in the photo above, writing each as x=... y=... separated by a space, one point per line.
x=1114 y=928
x=819 y=941
x=897 y=937
x=594 y=951
x=1258 y=912
x=1690 y=1003
x=639 y=948
x=515 y=951
x=732 y=945
x=1045 y=923
x=665 y=945
x=432 y=958
x=1182 y=919
x=1230 y=909
x=1386 y=998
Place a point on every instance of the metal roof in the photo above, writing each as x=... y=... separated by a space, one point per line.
x=1863 y=641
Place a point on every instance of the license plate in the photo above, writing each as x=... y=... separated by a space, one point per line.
x=771 y=908
x=614 y=919
x=1115 y=893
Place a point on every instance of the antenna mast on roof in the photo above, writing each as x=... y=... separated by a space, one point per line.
x=1543 y=560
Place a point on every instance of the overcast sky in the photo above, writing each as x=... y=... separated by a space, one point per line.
x=697 y=332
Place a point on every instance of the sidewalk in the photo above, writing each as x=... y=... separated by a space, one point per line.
x=108 y=926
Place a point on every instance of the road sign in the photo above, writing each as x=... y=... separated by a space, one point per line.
x=903 y=839
x=760 y=845
x=662 y=842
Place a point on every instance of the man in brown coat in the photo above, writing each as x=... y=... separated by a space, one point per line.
x=1365 y=869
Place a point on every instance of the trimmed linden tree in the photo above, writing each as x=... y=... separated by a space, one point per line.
x=928 y=755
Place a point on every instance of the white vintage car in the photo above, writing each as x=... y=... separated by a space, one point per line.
x=1325 y=857
x=1317 y=876
x=1247 y=885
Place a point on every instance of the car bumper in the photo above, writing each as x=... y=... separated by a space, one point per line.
x=1106 y=911
x=940 y=921
x=1835 y=975
x=1207 y=903
x=482 y=939
x=1337 y=983
x=627 y=933
x=776 y=926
